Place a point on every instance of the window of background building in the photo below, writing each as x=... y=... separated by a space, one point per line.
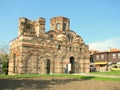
x=114 y=55
x=102 y=56
x=0 y=65
x=118 y=55
x=97 y=57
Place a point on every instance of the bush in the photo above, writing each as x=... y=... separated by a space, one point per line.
x=5 y=67
x=4 y=58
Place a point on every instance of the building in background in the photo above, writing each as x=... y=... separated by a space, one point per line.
x=38 y=51
x=106 y=61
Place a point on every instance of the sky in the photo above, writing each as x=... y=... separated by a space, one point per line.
x=96 y=21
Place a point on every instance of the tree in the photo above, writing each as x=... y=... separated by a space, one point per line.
x=4 y=48
x=4 y=56
x=5 y=59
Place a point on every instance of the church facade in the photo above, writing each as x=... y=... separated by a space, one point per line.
x=59 y=50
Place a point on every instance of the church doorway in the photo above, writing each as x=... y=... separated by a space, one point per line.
x=72 y=62
x=48 y=66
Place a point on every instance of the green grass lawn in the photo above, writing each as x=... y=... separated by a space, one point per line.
x=2 y=76
x=115 y=73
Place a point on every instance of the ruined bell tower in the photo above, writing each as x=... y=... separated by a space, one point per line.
x=59 y=24
x=30 y=27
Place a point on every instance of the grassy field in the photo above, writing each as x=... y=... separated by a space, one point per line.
x=2 y=76
x=115 y=73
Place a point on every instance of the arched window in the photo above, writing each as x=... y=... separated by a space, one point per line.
x=70 y=48
x=80 y=49
x=59 y=47
x=58 y=26
x=64 y=26
x=14 y=63
x=70 y=38
x=52 y=26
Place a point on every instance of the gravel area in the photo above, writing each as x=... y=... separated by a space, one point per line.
x=57 y=84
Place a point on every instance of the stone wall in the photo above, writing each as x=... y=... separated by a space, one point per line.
x=48 y=52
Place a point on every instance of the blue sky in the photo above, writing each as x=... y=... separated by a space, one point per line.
x=96 y=21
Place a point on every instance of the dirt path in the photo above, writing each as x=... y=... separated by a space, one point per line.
x=57 y=84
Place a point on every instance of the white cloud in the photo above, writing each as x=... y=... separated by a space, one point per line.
x=104 y=45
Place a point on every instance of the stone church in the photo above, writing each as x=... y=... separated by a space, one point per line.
x=57 y=51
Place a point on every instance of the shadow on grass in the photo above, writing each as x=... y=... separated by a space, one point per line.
x=87 y=77
x=37 y=83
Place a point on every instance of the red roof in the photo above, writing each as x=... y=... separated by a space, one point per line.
x=114 y=50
